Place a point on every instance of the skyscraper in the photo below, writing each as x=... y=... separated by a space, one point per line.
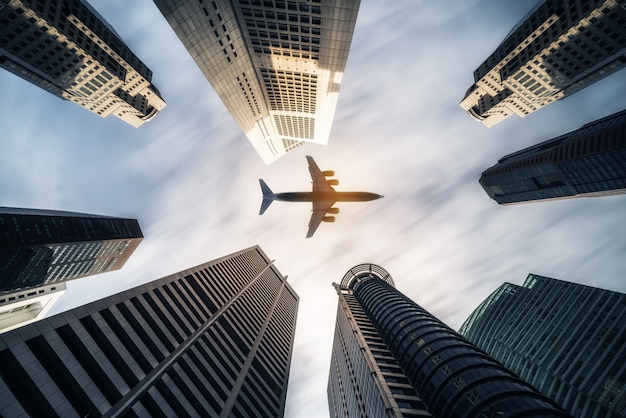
x=590 y=161
x=557 y=49
x=566 y=339
x=277 y=65
x=213 y=340
x=68 y=49
x=391 y=358
x=47 y=246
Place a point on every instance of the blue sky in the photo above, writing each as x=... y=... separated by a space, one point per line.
x=191 y=178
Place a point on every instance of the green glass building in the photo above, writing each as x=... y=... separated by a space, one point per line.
x=566 y=339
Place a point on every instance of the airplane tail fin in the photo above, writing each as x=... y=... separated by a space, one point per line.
x=267 y=197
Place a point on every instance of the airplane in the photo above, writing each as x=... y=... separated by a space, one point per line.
x=323 y=196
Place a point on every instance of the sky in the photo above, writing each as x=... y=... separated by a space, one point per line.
x=191 y=177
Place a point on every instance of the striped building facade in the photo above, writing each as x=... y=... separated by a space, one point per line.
x=213 y=340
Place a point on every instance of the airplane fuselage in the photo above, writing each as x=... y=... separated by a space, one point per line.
x=326 y=196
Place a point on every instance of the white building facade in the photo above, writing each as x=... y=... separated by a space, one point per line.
x=276 y=65
x=560 y=47
x=25 y=306
x=68 y=49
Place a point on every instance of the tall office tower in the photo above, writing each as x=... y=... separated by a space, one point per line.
x=213 y=340
x=277 y=65
x=25 y=306
x=391 y=358
x=68 y=49
x=47 y=246
x=558 y=48
x=566 y=339
x=590 y=161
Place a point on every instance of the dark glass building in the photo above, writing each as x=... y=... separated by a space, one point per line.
x=47 y=246
x=213 y=340
x=566 y=339
x=391 y=358
x=68 y=49
x=557 y=49
x=590 y=161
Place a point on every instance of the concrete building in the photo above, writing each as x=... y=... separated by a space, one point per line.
x=47 y=246
x=391 y=358
x=213 y=340
x=588 y=162
x=276 y=65
x=566 y=339
x=557 y=49
x=68 y=49
x=26 y=306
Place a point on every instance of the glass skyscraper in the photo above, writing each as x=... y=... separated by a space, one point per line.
x=213 y=340
x=566 y=339
x=557 y=49
x=48 y=246
x=276 y=65
x=391 y=358
x=68 y=49
x=590 y=161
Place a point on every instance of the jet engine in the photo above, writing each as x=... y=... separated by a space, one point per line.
x=333 y=211
x=328 y=173
x=328 y=219
x=333 y=182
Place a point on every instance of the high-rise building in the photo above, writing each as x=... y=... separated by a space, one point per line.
x=590 y=161
x=391 y=358
x=68 y=49
x=557 y=49
x=47 y=246
x=25 y=306
x=277 y=65
x=213 y=340
x=566 y=339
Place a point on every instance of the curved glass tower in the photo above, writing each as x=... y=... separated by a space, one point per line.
x=402 y=361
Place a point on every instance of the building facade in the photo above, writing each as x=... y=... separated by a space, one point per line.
x=213 y=340
x=391 y=358
x=276 y=65
x=590 y=161
x=557 y=49
x=26 y=306
x=68 y=49
x=566 y=339
x=46 y=246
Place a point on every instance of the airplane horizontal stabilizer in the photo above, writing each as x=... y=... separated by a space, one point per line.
x=265 y=188
x=267 y=197
x=264 y=205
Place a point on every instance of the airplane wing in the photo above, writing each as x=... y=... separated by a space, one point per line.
x=318 y=213
x=320 y=184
